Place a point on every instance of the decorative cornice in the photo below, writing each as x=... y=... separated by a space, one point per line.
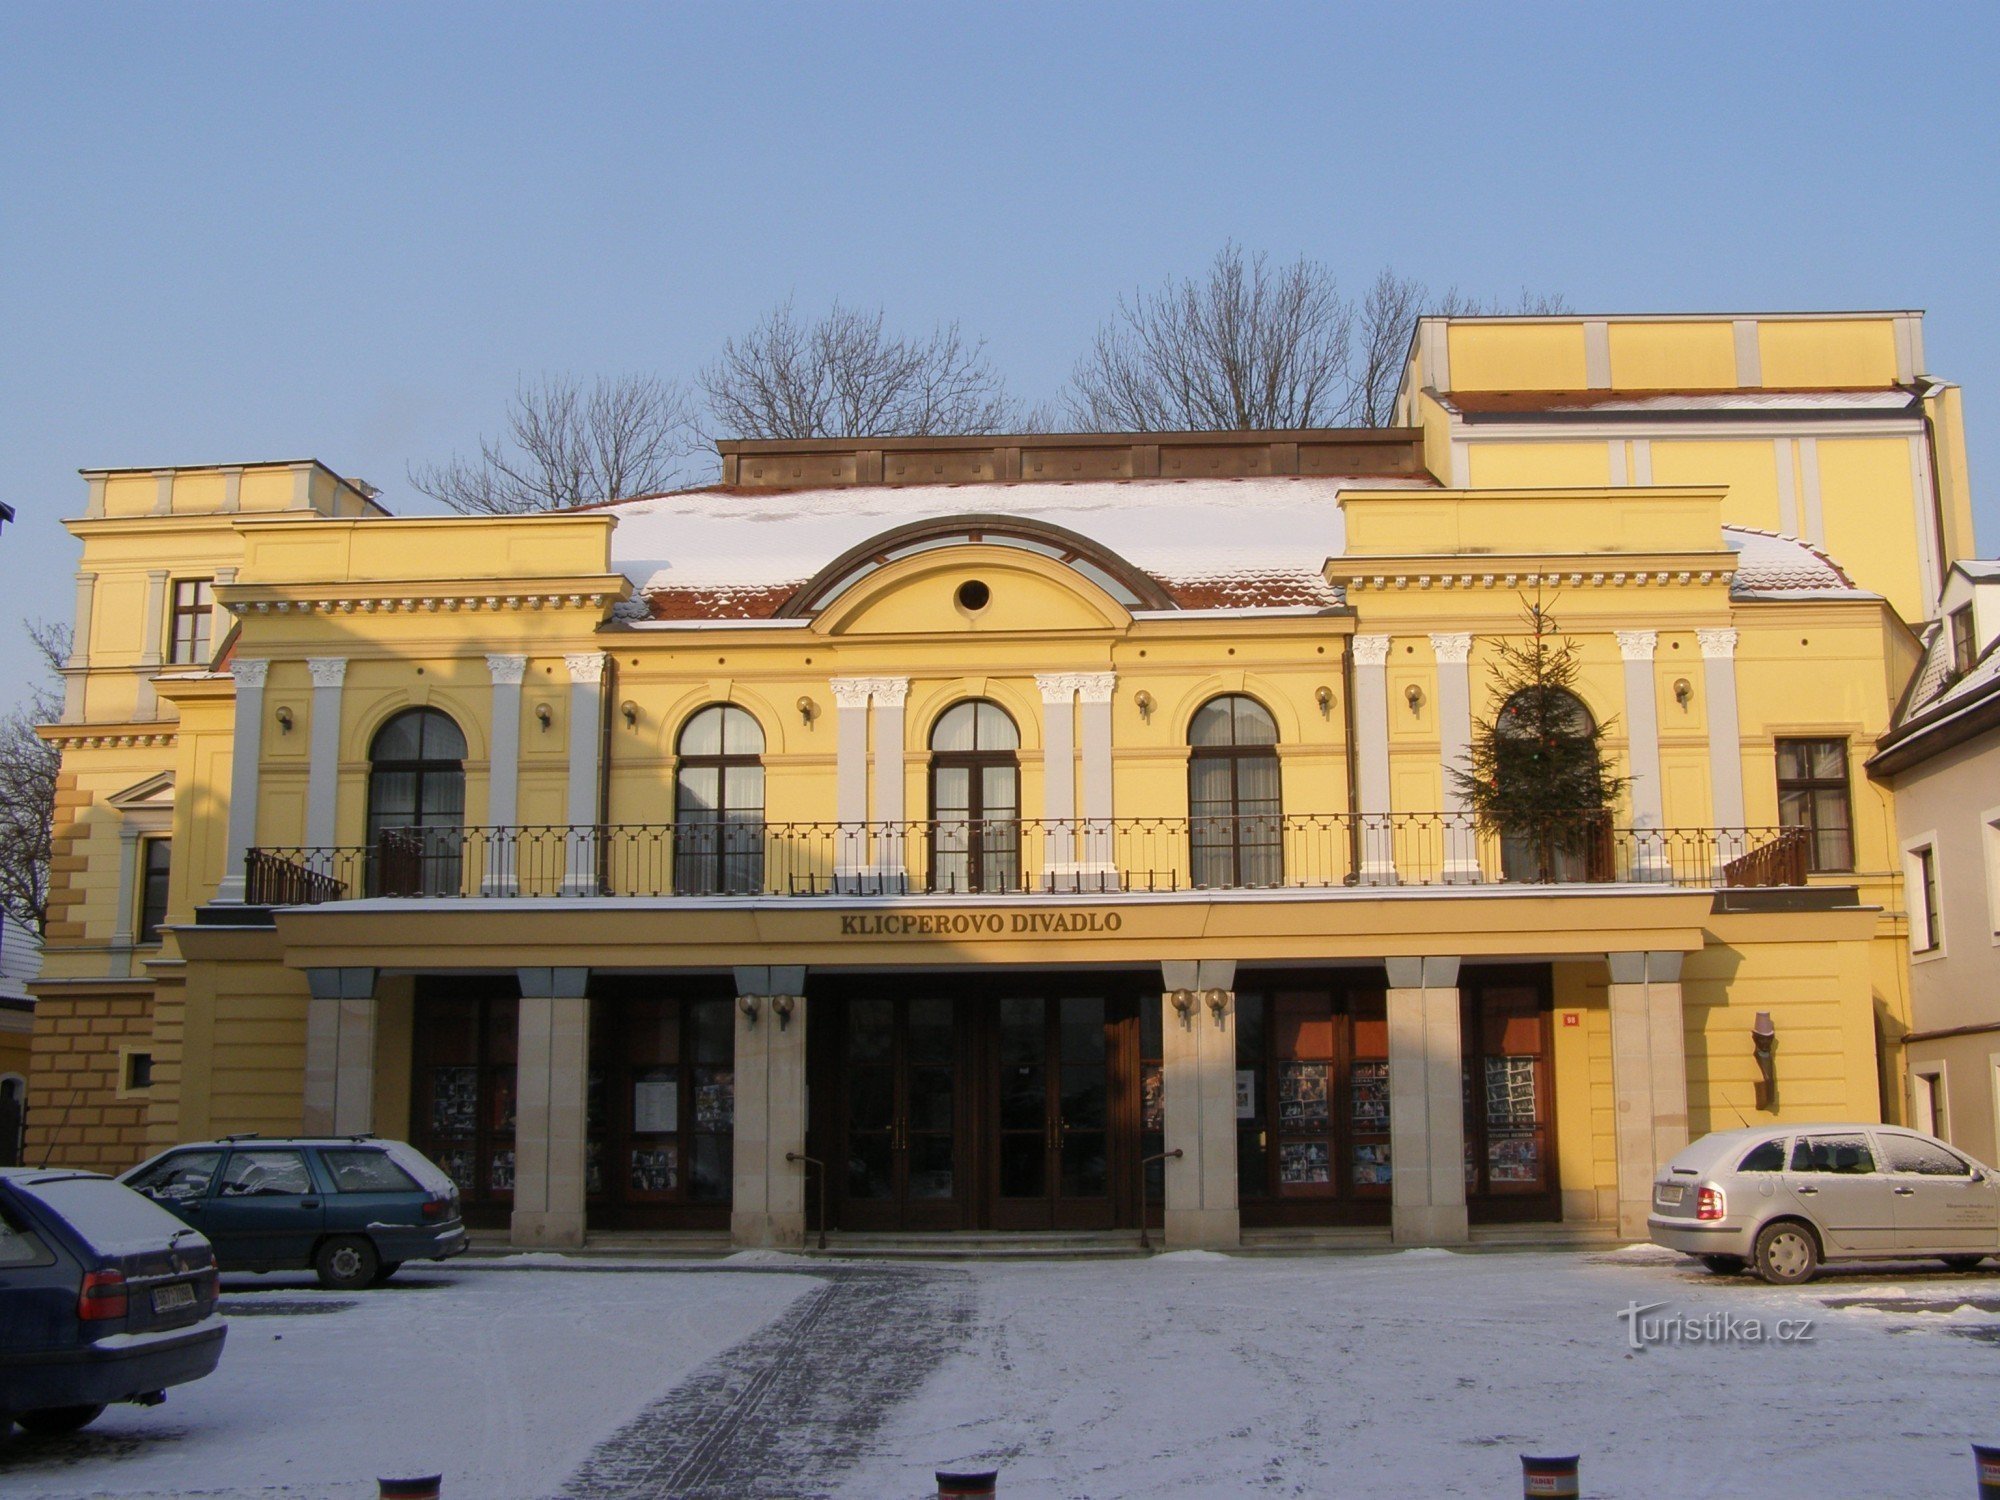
x=507 y=669
x=1637 y=645
x=435 y=603
x=1091 y=687
x=1597 y=578
x=1717 y=645
x=249 y=671
x=98 y=739
x=1454 y=649
x=585 y=666
x=327 y=671
x=1370 y=650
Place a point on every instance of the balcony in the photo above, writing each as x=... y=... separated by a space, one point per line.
x=1110 y=857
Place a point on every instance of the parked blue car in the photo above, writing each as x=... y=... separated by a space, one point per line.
x=103 y=1298
x=350 y=1208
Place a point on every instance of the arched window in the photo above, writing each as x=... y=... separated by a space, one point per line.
x=1235 y=803
x=975 y=799
x=1580 y=847
x=719 y=804
x=416 y=804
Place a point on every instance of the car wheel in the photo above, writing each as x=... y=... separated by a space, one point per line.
x=346 y=1263
x=387 y=1269
x=1786 y=1253
x=1725 y=1265
x=58 y=1419
x=1961 y=1262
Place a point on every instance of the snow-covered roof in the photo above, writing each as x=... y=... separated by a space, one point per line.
x=1771 y=565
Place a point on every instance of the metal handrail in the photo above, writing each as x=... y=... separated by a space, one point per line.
x=1145 y=1231
x=814 y=1161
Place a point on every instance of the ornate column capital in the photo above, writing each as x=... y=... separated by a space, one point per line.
x=249 y=671
x=889 y=692
x=1637 y=645
x=854 y=692
x=1096 y=687
x=1092 y=687
x=849 y=692
x=1453 y=649
x=1370 y=650
x=585 y=666
x=506 y=668
x=1717 y=645
x=327 y=671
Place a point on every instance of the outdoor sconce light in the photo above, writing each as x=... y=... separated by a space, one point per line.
x=1323 y=696
x=544 y=715
x=1683 y=690
x=748 y=1005
x=1183 y=1001
x=1764 y=1047
x=631 y=712
x=284 y=719
x=808 y=710
x=1217 y=1002
x=1414 y=696
x=1143 y=701
x=781 y=1007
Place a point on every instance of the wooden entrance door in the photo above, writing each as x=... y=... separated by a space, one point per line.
x=899 y=1114
x=1050 y=1087
x=462 y=1079
x=1510 y=1160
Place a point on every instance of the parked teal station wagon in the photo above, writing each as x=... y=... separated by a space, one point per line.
x=351 y=1208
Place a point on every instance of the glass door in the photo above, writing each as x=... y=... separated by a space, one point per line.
x=1510 y=1168
x=898 y=1088
x=462 y=1079
x=1052 y=1087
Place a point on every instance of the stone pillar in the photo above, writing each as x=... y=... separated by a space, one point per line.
x=1426 y=1103
x=1454 y=711
x=323 y=768
x=1725 y=743
x=552 y=1078
x=246 y=752
x=1058 y=778
x=850 y=798
x=340 y=1052
x=151 y=658
x=1093 y=691
x=769 y=1194
x=1371 y=752
x=503 y=776
x=1642 y=733
x=586 y=743
x=889 y=694
x=1648 y=1076
x=1199 y=1066
x=76 y=671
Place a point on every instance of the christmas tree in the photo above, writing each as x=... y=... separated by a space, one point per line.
x=1538 y=778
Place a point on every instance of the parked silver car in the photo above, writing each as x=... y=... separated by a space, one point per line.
x=1782 y=1200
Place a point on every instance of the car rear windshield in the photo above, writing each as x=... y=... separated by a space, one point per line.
x=362 y=1171
x=108 y=1216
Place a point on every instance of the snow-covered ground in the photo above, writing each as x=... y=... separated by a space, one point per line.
x=1423 y=1373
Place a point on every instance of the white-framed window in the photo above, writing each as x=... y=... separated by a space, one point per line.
x=1923 y=895
x=1930 y=1107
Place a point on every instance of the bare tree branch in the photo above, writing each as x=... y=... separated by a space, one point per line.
x=843 y=376
x=28 y=769
x=568 y=445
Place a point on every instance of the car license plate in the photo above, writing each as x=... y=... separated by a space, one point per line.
x=1668 y=1195
x=173 y=1298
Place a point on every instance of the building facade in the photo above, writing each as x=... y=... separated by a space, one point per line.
x=1023 y=834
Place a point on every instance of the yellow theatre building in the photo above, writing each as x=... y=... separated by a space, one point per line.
x=1022 y=835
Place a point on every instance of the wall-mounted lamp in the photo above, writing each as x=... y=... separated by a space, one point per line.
x=544 y=715
x=1183 y=1003
x=1683 y=690
x=781 y=1007
x=284 y=719
x=1764 y=1047
x=808 y=711
x=1414 y=696
x=1323 y=696
x=631 y=712
x=748 y=1005
x=1143 y=701
x=1217 y=1002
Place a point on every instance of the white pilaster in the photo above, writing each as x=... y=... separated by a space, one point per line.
x=850 y=798
x=1725 y=743
x=1815 y=516
x=246 y=754
x=1454 y=711
x=76 y=671
x=586 y=743
x=1642 y=731
x=151 y=659
x=323 y=767
x=1058 y=777
x=889 y=694
x=1093 y=692
x=1426 y=1103
x=1371 y=752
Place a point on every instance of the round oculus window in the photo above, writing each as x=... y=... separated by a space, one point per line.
x=973 y=596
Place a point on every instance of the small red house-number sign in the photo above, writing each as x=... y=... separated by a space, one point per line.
x=1572 y=1018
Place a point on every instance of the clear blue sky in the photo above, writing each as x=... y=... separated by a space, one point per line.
x=249 y=232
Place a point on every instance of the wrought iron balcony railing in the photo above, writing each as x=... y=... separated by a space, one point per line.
x=1013 y=856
